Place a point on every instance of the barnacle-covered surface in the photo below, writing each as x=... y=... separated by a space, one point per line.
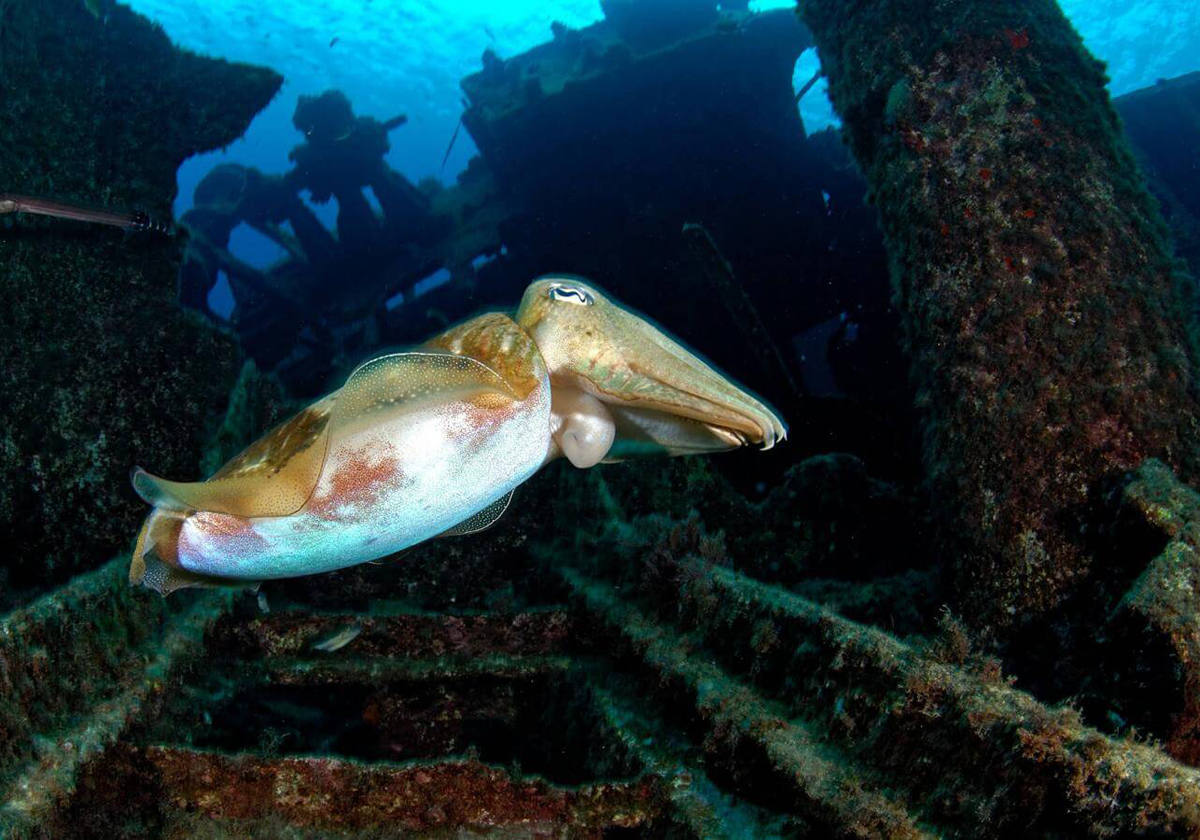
x=1152 y=635
x=1025 y=249
x=78 y=668
x=864 y=732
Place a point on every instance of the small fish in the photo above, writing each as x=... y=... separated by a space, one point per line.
x=334 y=40
x=263 y=606
x=135 y=221
x=340 y=639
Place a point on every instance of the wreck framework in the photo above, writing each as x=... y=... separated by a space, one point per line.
x=670 y=660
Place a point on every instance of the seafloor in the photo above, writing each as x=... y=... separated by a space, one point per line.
x=965 y=602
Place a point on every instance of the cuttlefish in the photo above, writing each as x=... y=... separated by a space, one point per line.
x=433 y=441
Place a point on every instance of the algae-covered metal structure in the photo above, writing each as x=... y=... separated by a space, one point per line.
x=972 y=618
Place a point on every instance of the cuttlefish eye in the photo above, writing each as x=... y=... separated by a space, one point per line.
x=571 y=294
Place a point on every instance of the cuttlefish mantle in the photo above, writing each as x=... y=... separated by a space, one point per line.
x=433 y=441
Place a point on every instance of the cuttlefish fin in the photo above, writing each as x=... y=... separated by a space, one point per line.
x=277 y=474
x=274 y=476
x=403 y=381
x=482 y=520
x=473 y=524
x=164 y=578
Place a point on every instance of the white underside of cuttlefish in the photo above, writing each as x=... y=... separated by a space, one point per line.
x=434 y=441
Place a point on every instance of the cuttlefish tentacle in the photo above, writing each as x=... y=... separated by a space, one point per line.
x=434 y=441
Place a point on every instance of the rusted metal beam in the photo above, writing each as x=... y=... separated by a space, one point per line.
x=401 y=634
x=78 y=668
x=752 y=735
x=334 y=794
x=901 y=712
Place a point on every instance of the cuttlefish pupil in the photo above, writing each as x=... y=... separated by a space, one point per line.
x=432 y=442
x=571 y=294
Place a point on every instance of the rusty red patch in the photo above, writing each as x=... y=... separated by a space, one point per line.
x=221 y=526
x=1017 y=39
x=242 y=530
x=481 y=416
x=356 y=482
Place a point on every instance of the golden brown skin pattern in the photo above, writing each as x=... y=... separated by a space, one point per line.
x=274 y=450
x=496 y=340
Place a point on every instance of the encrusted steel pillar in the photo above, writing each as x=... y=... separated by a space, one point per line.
x=1041 y=305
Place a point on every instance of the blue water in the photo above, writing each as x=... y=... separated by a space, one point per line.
x=408 y=57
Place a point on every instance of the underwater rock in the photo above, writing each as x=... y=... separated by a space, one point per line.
x=1153 y=635
x=1033 y=274
x=101 y=369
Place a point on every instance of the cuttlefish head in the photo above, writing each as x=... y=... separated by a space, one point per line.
x=622 y=387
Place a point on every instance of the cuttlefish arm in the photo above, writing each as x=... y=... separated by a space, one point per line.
x=623 y=387
x=413 y=445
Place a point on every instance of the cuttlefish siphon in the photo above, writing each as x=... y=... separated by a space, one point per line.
x=434 y=441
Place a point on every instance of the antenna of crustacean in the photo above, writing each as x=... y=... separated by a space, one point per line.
x=135 y=221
